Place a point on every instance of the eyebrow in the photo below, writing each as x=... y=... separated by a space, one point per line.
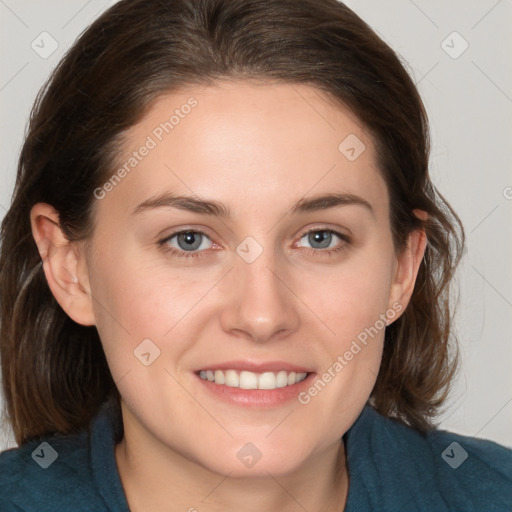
x=218 y=209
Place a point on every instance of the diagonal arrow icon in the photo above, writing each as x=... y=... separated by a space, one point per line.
x=45 y=455
x=351 y=147
x=249 y=249
x=249 y=455
x=146 y=352
x=454 y=45
x=44 y=45
x=454 y=455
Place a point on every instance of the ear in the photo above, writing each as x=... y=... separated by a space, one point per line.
x=408 y=264
x=61 y=264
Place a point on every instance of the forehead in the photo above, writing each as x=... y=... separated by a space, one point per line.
x=279 y=141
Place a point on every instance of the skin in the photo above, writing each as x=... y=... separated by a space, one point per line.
x=258 y=149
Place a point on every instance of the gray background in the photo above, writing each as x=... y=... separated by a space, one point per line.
x=468 y=95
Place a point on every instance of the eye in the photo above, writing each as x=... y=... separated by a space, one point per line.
x=184 y=242
x=321 y=239
x=190 y=243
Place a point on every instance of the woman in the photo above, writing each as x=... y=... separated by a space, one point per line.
x=225 y=274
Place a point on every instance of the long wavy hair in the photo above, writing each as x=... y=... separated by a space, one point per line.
x=54 y=372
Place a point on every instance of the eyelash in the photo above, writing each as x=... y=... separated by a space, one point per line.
x=197 y=254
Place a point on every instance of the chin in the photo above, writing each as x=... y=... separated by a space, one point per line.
x=245 y=459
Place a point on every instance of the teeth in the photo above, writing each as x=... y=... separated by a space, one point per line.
x=267 y=380
x=219 y=377
x=231 y=378
x=282 y=379
x=250 y=380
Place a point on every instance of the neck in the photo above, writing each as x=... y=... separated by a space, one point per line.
x=157 y=478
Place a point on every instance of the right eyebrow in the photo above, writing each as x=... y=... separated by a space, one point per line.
x=188 y=203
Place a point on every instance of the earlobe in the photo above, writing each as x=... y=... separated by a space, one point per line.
x=60 y=263
x=407 y=268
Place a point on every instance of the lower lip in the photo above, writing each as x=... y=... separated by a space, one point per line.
x=260 y=398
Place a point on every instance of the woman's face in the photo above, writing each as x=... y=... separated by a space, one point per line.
x=288 y=268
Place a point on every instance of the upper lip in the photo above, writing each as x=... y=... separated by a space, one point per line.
x=257 y=366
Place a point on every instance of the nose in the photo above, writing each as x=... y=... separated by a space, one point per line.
x=261 y=304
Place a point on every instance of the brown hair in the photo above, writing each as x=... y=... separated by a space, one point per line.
x=54 y=371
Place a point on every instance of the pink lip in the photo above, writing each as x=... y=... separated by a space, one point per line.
x=257 y=367
x=256 y=398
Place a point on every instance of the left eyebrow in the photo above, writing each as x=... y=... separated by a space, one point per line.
x=325 y=201
x=218 y=209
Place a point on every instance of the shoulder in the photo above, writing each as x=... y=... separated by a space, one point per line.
x=438 y=470
x=51 y=473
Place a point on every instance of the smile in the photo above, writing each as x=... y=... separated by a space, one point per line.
x=249 y=380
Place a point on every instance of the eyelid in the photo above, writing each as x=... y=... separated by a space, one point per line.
x=186 y=229
x=195 y=231
x=340 y=232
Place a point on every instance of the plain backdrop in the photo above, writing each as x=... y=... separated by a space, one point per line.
x=458 y=53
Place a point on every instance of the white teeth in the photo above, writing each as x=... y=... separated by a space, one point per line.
x=231 y=378
x=282 y=379
x=267 y=380
x=251 y=380
x=219 y=377
x=248 y=380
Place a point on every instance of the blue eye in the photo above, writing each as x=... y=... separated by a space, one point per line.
x=320 y=239
x=186 y=242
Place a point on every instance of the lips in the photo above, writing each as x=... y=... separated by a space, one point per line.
x=255 y=384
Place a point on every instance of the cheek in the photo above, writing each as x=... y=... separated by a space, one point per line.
x=351 y=305
x=350 y=296
x=135 y=300
x=138 y=291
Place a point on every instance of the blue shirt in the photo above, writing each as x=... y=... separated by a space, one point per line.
x=391 y=467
